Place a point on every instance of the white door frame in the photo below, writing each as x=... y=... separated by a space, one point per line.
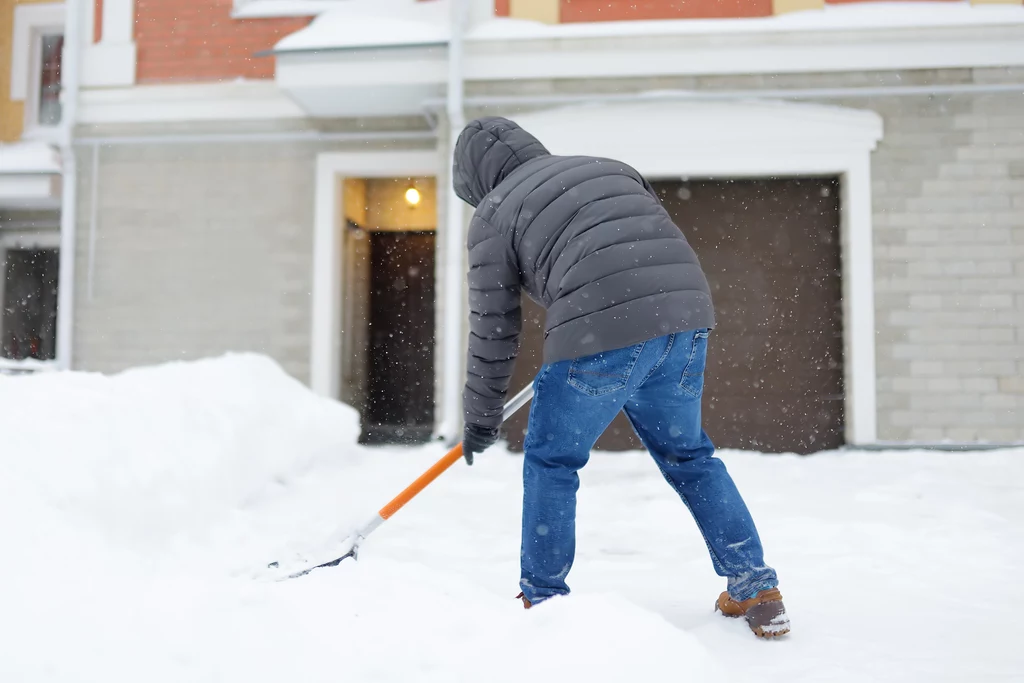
x=328 y=225
x=750 y=138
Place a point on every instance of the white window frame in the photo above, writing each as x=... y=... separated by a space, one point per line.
x=46 y=238
x=31 y=23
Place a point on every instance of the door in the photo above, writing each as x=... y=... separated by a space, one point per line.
x=400 y=387
x=771 y=252
x=770 y=249
x=29 y=319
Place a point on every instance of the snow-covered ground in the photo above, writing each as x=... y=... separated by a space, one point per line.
x=134 y=510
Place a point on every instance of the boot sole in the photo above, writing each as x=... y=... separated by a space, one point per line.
x=758 y=631
x=768 y=635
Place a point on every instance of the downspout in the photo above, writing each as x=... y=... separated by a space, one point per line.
x=70 y=62
x=454 y=240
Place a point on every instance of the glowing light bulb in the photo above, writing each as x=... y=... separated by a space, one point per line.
x=412 y=196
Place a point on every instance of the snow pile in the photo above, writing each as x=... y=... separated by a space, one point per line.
x=134 y=508
x=152 y=456
x=376 y=23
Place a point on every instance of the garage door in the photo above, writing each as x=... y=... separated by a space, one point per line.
x=770 y=249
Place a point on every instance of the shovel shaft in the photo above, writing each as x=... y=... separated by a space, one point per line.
x=421 y=482
x=439 y=467
x=399 y=501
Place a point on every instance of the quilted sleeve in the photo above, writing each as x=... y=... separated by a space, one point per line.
x=495 y=322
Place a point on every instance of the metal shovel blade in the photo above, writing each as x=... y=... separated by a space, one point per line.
x=352 y=552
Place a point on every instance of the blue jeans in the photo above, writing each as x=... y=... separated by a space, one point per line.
x=659 y=384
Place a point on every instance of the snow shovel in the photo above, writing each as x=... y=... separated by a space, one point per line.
x=350 y=546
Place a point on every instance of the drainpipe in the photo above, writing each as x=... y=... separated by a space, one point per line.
x=70 y=62
x=452 y=265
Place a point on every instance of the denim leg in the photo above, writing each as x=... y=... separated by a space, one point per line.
x=666 y=414
x=574 y=402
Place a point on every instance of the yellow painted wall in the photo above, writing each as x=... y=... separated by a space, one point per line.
x=379 y=203
x=546 y=11
x=12 y=114
x=354 y=200
x=386 y=208
x=786 y=6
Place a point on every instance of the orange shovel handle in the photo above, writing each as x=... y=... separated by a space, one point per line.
x=435 y=471
x=438 y=468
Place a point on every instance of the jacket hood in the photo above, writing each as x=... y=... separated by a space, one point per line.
x=488 y=151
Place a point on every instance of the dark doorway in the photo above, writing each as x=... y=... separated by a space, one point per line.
x=771 y=252
x=29 y=321
x=399 y=406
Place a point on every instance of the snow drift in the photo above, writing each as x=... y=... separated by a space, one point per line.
x=133 y=509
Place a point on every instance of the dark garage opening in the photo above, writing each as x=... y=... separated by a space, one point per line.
x=771 y=251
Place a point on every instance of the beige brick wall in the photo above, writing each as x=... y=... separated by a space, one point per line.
x=949 y=227
x=200 y=249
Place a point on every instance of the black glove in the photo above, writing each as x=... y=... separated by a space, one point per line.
x=477 y=439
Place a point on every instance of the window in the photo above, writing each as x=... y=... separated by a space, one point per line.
x=37 y=47
x=49 y=108
x=29 y=267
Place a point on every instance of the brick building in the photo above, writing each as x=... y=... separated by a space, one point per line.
x=271 y=175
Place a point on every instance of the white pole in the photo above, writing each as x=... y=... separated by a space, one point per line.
x=454 y=239
x=70 y=62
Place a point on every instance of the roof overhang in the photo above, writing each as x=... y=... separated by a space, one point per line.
x=30 y=176
x=389 y=81
x=356 y=61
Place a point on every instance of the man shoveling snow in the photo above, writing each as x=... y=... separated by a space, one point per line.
x=629 y=312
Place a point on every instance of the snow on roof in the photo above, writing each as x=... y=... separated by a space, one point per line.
x=29 y=157
x=846 y=17
x=375 y=23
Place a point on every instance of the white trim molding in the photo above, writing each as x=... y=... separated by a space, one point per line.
x=108 y=64
x=30 y=22
x=754 y=139
x=8 y=366
x=331 y=169
x=111 y=62
x=188 y=102
x=30 y=176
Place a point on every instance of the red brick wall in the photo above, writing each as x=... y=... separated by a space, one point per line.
x=197 y=40
x=97 y=21
x=620 y=10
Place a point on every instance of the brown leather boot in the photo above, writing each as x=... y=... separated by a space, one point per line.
x=765 y=613
x=526 y=603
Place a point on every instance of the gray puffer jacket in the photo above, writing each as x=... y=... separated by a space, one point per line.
x=585 y=237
